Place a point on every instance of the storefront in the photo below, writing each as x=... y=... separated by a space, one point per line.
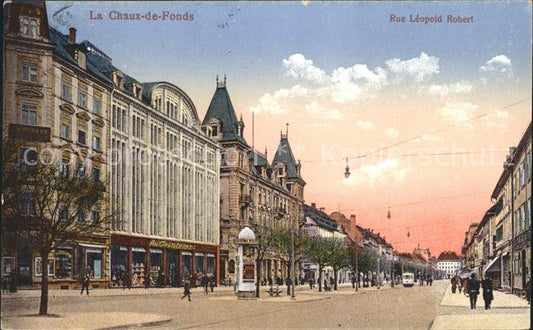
x=162 y=262
x=67 y=264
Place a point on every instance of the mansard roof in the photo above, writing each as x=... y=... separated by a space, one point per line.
x=222 y=109
x=284 y=155
x=321 y=218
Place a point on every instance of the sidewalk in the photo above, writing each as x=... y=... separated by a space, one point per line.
x=517 y=316
x=85 y=321
x=501 y=300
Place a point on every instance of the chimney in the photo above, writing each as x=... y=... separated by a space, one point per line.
x=352 y=218
x=72 y=35
x=322 y=209
x=313 y=205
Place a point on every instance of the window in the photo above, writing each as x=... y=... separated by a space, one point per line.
x=66 y=88
x=29 y=114
x=63 y=213
x=28 y=205
x=81 y=137
x=97 y=105
x=81 y=216
x=96 y=143
x=82 y=95
x=82 y=99
x=29 y=27
x=65 y=131
x=27 y=159
x=80 y=170
x=95 y=175
x=95 y=217
x=64 y=168
x=29 y=71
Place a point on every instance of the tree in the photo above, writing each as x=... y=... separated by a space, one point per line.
x=47 y=206
x=368 y=260
x=339 y=256
x=264 y=237
x=281 y=241
x=318 y=251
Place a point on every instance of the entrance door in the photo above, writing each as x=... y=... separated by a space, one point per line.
x=24 y=265
x=523 y=269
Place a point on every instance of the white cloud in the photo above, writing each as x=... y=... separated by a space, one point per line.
x=457 y=112
x=498 y=64
x=393 y=133
x=272 y=103
x=382 y=172
x=366 y=126
x=497 y=119
x=317 y=110
x=418 y=68
x=461 y=87
x=297 y=66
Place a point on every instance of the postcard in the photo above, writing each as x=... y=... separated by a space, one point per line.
x=266 y=164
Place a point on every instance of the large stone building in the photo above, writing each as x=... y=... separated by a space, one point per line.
x=252 y=190
x=164 y=176
x=53 y=100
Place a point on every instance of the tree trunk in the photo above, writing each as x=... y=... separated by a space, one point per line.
x=335 y=278
x=43 y=307
x=258 y=276
x=319 y=278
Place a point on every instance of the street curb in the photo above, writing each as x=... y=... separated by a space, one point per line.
x=137 y=325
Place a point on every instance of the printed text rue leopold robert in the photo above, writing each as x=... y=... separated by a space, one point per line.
x=431 y=19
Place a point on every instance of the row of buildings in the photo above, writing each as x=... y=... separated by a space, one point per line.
x=499 y=246
x=180 y=188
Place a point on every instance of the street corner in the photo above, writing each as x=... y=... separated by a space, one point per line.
x=85 y=321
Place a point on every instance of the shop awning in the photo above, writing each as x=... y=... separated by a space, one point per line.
x=493 y=266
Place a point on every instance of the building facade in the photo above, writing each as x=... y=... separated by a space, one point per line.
x=252 y=190
x=164 y=182
x=448 y=264
x=55 y=103
x=500 y=247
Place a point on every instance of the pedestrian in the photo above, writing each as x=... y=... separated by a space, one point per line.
x=85 y=283
x=473 y=290
x=311 y=280
x=465 y=286
x=229 y=281
x=212 y=282
x=486 y=284
x=187 y=289
x=205 y=283
x=454 y=281
x=5 y=284
x=270 y=281
x=430 y=280
x=288 y=282
x=353 y=281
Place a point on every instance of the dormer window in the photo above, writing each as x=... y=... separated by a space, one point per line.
x=29 y=27
x=214 y=130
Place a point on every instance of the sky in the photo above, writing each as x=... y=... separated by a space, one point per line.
x=423 y=113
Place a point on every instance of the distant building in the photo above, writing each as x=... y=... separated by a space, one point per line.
x=448 y=263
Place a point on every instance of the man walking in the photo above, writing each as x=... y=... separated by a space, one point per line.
x=85 y=283
x=187 y=289
x=486 y=284
x=473 y=290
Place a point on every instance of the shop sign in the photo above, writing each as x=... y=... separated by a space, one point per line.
x=248 y=271
x=29 y=133
x=171 y=245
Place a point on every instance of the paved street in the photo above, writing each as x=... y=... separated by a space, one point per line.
x=401 y=308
